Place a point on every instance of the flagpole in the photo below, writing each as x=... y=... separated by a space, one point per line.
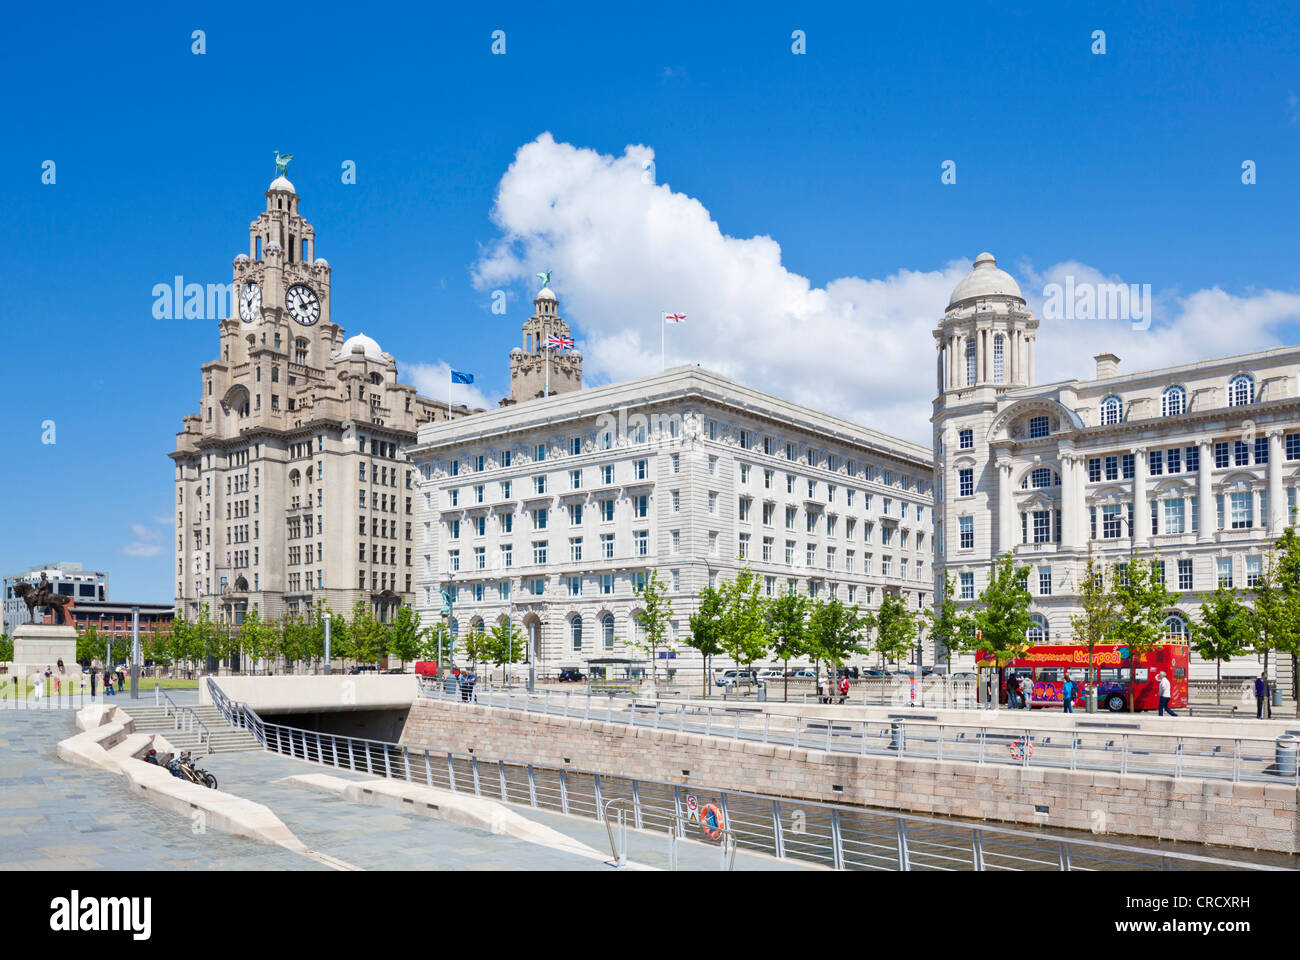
x=449 y=391
x=663 y=325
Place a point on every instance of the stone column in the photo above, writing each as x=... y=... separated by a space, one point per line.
x=1277 y=510
x=1205 y=491
x=947 y=356
x=981 y=355
x=1072 y=516
x=961 y=360
x=1029 y=366
x=1141 y=512
x=1006 y=525
x=1013 y=346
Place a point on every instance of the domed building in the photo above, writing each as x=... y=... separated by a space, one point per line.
x=298 y=429
x=1195 y=466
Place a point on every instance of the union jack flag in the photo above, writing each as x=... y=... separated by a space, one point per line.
x=564 y=343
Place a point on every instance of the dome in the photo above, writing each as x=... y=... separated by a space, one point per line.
x=986 y=280
x=517 y=352
x=282 y=183
x=240 y=258
x=274 y=245
x=321 y=262
x=546 y=293
x=362 y=344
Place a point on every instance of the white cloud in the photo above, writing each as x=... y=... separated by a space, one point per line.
x=430 y=379
x=624 y=248
x=147 y=542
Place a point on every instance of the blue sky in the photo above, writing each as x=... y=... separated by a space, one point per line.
x=1124 y=165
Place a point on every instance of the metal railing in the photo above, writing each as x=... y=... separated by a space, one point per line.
x=838 y=836
x=183 y=718
x=1094 y=744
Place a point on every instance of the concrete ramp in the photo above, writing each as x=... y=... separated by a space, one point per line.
x=468 y=811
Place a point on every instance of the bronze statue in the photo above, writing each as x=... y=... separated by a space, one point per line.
x=43 y=595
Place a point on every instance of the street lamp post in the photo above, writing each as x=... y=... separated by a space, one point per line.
x=135 y=653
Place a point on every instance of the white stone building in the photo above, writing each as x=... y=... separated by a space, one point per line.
x=1196 y=465
x=290 y=486
x=549 y=511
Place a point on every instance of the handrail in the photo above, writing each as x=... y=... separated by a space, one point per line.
x=185 y=717
x=360 y=754
x=1175 y=754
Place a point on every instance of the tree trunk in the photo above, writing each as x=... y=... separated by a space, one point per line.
x=786 y=678
x=1218 y=679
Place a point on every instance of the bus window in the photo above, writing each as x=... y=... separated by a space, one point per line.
x=1077 y=674
x=1109 y=675
x=1048 y=674
x=1141 y=674
x=1180 y=673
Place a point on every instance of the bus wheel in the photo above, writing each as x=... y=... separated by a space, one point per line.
x=1115 y=703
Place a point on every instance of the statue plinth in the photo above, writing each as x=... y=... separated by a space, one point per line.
x=41 y=645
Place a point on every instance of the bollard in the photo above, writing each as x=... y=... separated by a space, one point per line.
x=1284 y=756
x=1277 y=696
x=896 y=739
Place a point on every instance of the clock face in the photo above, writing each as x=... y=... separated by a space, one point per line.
x=250 y=303
x=303 y=304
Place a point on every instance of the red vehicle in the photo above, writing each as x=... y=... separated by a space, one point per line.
x=426 y=668
x=1048 y=665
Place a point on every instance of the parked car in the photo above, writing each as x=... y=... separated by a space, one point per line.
x=964 y=677
x=769 y=674
x=363 y=668
x=736 y=676
x=804 y=673
x=571 y=676
x=874 y=673
x=394 y=670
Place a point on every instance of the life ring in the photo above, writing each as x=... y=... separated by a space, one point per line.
x=1021 y=749
x=711 y=821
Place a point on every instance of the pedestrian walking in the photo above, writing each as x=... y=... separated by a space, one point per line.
x=1026 y=691
x=1165 y=693
x=92 y=683
x=844 y=688
x=1263 y=704
x=1068 y=692
x=61 y=665
x=473 y=679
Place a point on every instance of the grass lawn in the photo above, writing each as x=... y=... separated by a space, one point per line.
x=72 y=685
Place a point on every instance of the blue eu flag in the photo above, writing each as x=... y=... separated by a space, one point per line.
x=458 y=377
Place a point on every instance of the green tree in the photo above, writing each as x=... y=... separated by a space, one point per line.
x=438 y=644
x=254 y=636
x=407 y=634
x=1002 y=615
x=1098 y=616
x=1288 y=572
x=706 y=630
x=7 y=648
x=745 y=633
x=835 y=631
x=473 y=647
x=203 y=635
x=1220 y=632
x=1142 y=603
x=656 y=614
x=950 y=627
x=365 y=633
x=504 y=643
x=90 y=645
x=1270 y=618
x=787 y=621
x=895 y=629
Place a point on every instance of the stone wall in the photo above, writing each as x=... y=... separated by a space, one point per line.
x=1252 y=816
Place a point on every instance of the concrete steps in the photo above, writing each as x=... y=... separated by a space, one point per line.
x=224 y=738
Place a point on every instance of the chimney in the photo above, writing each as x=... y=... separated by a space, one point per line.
x=1107 y=365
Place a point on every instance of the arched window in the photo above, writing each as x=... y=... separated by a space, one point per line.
x=1241 y=391
x=607 y=630
x=300 y=351
x=1043 y=477
x=998 y=365
x=1037 y=632
x=575 y=631
x=1111 y=408
x=1176 y=628
x=970 y=363
x=294 y=478
x=476 y=625
x=638 y=626
x=1173 y=402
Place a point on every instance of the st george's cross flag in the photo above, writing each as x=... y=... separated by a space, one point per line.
x=563 y=342
x=674 y=318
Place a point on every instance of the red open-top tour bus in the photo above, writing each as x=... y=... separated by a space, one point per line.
x=1048 y=665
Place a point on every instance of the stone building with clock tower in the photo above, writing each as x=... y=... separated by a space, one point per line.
x=291 y=486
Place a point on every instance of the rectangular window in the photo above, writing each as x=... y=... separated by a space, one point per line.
x=607 y=546
x=966 y=482
x=967 y=530
x=641 y=507
x=1042 y=526
x=607 y=474
x=575 y=549
x=1126 y=465
x=1156 y=463
x=1193 y=459
x=1254 y=570
x=575 y=586
x=744 y=546
x=640 y=469
x=606 y=511
x=1174 y=517
x=1045 y=581
x=575 y=479
x=1221 y=455
x=1094 y=469
x=1293 y=446
x=1112 y=468
x=1184 y=574
x=1039 y=427
x=606 y=584
x=1261 y=449
x=539 y=452
x=1241 y=453
x=641 y=542
x=1225 y=572
x=966 y=582
x=575 y=514
x=575 y=446
x=1242 y=510
x=539 y=518
x=1174 y=460
x=539 y=551
x=1110 y=522
x=966 y=439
